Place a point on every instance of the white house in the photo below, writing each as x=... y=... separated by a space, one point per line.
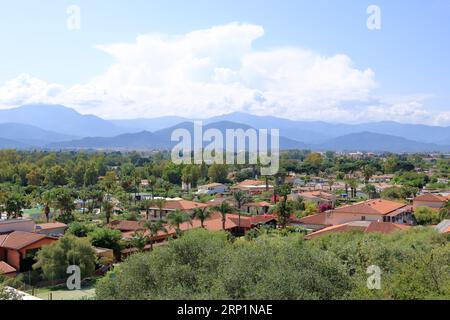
x=212 y=188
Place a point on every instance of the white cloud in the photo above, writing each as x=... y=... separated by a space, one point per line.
x=215 y=71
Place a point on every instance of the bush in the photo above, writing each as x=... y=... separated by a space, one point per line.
x=426 y=216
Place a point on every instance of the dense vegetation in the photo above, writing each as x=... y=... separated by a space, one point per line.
x=280 y=265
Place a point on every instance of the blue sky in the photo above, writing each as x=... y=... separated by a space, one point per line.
x=408 y=55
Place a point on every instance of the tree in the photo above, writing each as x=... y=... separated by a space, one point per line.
x=107 y=207
x=160 y=204
x=224 y=208
x=139 y=240
x=106 y=238
x=14 y=204
x=153 y=229
x=241 y=199
x=218 y=173
x=69 y=250
x=202 y=214
x=146 y=205
x=283 y=209
x=47 y=199
x=176 y=218
x=63 y=200
x=368 y=172
x=444 y=212
x=426 y=216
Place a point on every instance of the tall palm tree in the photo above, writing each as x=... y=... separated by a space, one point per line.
x=47 y=199
x=146 y=205
x=160 y=203
x=153 y=229
x=107 y=207
x=202 y=214
x=139 y=240
x=224 y=208
x=241 y=199
x=176 y=218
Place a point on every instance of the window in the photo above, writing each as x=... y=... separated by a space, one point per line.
x=363 y=218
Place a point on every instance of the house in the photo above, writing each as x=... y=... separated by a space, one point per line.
x=212 y=188
x=54 y=229
x=362 y=226
x=26 y=225
x=317 y=197
x=257 y=208
x=18 y=248
x=252 y=186
x=126 y=225
x=431 y=200
x=443 y=227
x=172 y=205
x=379 y=210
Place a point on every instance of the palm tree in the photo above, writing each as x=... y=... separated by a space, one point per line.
x=444 y=212
x=160 y=203
x=108 y=210
x=241 y=198
x=146 y=205
x=139 y=240
x=153 y=229
x=202 y=214
x=47 y=199
x=224 y=208
x=176 y=218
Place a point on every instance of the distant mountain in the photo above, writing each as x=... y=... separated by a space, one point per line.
x=319 y=131
x=160 y=139
x=60 y=119
x=368 y=141
x=11 y=144
x=30 y=135
x=154 y=124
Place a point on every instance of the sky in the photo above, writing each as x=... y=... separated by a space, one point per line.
x=308 y=60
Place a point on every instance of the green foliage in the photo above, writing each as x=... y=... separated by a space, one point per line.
x=426 y=216
x=69 y=250
x=106 y=238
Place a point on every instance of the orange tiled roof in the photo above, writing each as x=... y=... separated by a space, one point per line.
x=182 y=205
x=6 y=268
x=19 y=239
x=372 y=207
x=430 y=197
x=250 y=182
x=316 y=219
x=126 y=225
x=364 y=226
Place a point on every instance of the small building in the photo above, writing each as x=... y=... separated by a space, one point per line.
x=317 y=197
x=53 y=229
x=430 y=200
x=212 y=189
x=19 y=248
x=252 y=186
x=173 y=205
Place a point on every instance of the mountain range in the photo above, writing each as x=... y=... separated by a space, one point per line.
x=58 y=127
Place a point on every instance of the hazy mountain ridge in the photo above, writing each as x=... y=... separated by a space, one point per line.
x=53 y=126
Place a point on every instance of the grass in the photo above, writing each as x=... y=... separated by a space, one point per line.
x=60 y=292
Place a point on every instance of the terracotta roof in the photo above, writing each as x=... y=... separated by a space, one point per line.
x=431 y=197
x=182 y=205
x=250 y=182
x=19 y=239
x=126 y=225
x=315 y=219
x=364 y=226
x=258 y=204
x=372 y=207
x=386 y=227
x=6 y=268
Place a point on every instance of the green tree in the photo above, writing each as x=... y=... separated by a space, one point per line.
x=69 y=250
x=202 y=214
x=153 y=229
x=176 y=218
x=426 y=216
x=224 y=208
x=108 y=208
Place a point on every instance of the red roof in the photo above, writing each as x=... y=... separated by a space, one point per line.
x=430 y=197
x=19 y=239
x=315 y=219
x=364 y=226
x=50 y=226
x=6 y=268
x=183 y=205
x=126 y=225
x=372 y=207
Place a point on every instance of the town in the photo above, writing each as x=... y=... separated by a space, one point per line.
x=137 y=220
